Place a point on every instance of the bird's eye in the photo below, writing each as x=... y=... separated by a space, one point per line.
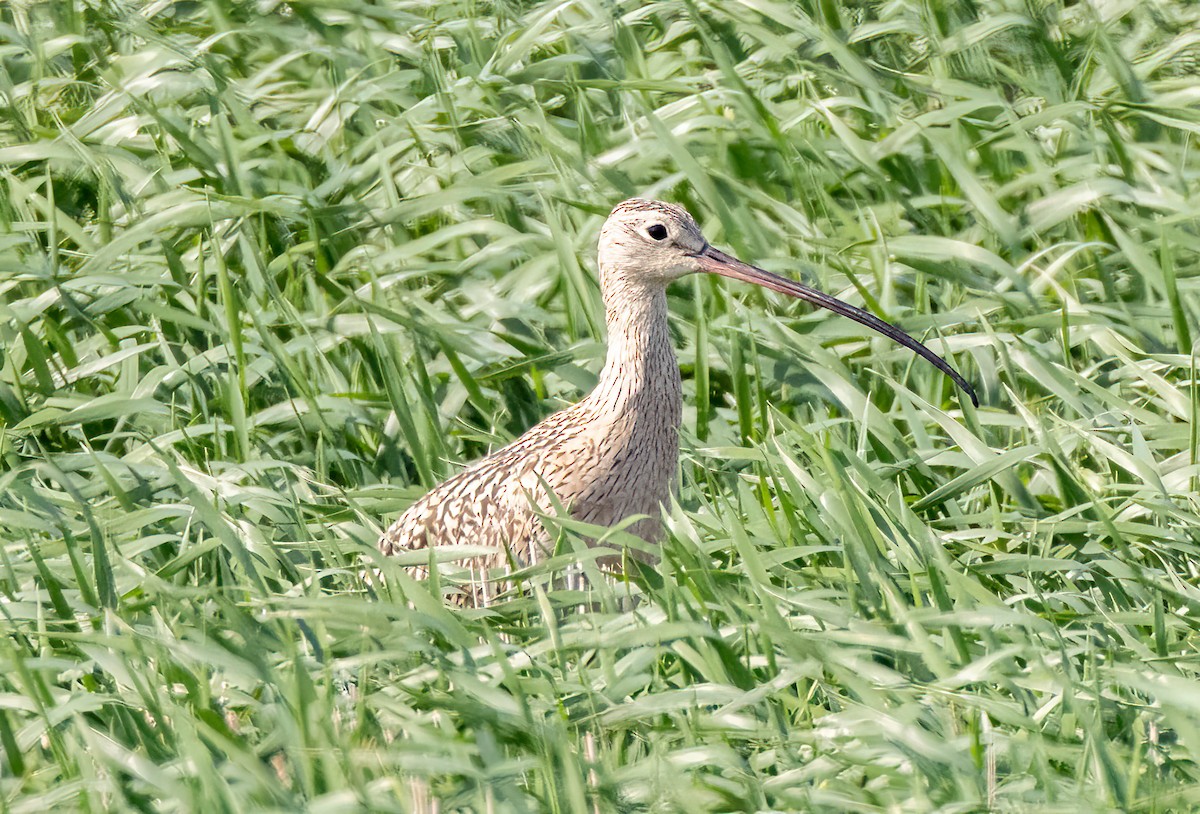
x=657 y=231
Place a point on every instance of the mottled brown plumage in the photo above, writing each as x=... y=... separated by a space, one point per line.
x=614 y=454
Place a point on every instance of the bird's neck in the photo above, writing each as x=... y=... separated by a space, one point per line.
x=641 y=371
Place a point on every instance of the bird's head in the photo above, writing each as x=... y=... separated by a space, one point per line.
x=647 y=244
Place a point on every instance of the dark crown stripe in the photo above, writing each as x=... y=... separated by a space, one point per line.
x=641 y=205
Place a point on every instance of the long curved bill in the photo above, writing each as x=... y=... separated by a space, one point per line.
x=717 y=262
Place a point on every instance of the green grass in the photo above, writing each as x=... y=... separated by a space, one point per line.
x=269 y=271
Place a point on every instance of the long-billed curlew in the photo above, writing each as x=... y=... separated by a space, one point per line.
x=614 y=454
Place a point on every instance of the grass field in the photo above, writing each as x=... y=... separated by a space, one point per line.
x=268 y=271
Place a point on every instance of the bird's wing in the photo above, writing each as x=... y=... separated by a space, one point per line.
x=494 y=502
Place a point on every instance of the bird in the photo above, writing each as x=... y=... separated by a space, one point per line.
x=613 y=455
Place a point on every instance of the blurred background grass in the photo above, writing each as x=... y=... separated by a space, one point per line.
x=270 y=270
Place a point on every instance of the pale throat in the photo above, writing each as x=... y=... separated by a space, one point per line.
x=640 y=366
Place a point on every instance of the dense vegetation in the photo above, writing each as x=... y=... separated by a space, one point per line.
x=270 y=270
